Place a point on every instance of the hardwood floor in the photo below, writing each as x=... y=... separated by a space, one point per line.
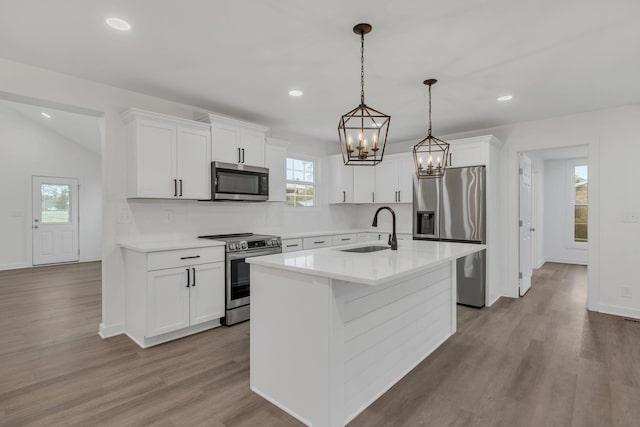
x=540 y=360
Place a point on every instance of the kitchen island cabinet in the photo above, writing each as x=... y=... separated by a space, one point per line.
x=331 y=331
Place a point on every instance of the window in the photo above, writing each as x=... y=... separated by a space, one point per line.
x=580 y=203
x=55 y=203
x=301 y=183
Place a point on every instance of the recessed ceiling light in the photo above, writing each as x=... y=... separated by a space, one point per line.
x=118 y=24
x=505 y=98
x=48 y=116
x=295 y=92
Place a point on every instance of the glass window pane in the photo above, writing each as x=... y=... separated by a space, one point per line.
x=300 y=195
x=55 y=203
x=580 y=223
x=582 y=184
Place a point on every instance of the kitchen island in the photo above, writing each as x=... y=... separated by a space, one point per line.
x=331 y=330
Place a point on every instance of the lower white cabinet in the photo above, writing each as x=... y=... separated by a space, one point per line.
x=180 y=298
x=317 y=242
x=291 y=245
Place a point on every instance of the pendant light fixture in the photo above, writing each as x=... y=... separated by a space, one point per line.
x=431 y=155
x=363 y=130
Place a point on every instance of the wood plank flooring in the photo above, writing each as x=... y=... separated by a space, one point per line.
x=542 y=360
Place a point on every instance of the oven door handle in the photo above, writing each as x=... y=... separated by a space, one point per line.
x=241 y=255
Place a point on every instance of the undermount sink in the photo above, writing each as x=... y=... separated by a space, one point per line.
x=363 y=249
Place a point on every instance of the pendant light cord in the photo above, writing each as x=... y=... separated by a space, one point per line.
x=362 y=68
x=429 y=110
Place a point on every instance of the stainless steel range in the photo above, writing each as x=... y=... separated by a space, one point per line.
x=237 y=290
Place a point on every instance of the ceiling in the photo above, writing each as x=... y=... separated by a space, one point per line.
x=242 y=57
x=81 y=129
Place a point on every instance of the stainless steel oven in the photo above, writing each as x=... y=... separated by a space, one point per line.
x=239 y=247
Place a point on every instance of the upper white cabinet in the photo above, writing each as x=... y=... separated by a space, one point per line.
x=340 y=180
x=364 y=184
x=468 y=152
x=168 y=157
x=276 y=161
x=394 y=179
x=235 y=141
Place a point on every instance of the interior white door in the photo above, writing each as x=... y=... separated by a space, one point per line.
x=526 y=270
x=55 y=220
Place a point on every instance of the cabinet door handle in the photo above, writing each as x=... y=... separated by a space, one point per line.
x=373 y=197
x=317 y=243
x=239 y=156
x=398 y=196
x=292 y=246
x=188 y=277
x=175 y=188
x=344 y=196
x=190 y=257
x=194 y=277
x=180 y=188
x=345 y=240
x=450 y=159
x=243 y=155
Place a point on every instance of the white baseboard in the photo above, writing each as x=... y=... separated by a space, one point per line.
x=566 y=261
x=619 y=311
x=490 y=303
x=111 y=330
x=91 y=259
x=13 y=266
x=540 y=263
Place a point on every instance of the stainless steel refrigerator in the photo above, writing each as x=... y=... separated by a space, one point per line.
x=452 y=209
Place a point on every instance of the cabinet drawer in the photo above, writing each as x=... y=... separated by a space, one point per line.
x=184 y=257
x=291 y=245
x=317 y=242
x=344 y=239
x=368 y=237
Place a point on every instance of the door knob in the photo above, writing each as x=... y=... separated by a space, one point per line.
x=35 y=226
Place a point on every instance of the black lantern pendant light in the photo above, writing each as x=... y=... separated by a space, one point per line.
x=363 y=130
x=431 y=155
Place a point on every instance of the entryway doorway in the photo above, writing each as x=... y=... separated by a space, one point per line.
x=553 y=210
x=55 y=220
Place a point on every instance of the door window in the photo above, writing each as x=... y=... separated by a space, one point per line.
x=56 y=205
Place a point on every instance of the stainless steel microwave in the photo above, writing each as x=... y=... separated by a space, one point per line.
x=238 y=182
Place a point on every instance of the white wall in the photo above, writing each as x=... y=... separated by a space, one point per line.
x=558 y=227
x=26 y=149
x=612 y=137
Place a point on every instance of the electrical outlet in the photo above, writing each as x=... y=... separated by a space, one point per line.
x=124 y=216
x=630 y=217
x=626 y=292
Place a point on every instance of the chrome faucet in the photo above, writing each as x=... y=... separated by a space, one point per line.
x=393 y=241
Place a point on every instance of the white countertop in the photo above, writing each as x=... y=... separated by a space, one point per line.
x=168 y=245
x=372 y=268
x=337 y=232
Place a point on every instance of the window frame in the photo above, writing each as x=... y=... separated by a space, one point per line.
x=571 y=195
x=315 y=183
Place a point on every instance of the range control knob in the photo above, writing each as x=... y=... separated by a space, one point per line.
x=232 y=246
x=243 y=245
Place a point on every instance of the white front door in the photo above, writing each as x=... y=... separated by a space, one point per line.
x=55 y=220
x=526 y=268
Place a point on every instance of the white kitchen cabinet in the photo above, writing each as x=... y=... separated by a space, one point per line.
x=173 y=293
x=276 y=161
x=235 y=141
x=291 y=245
x=340 y=180
x=394 y=179
x=364 y=184
x=469 y=152
x=168 y=157
x=344 y=239
x=317 y=242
